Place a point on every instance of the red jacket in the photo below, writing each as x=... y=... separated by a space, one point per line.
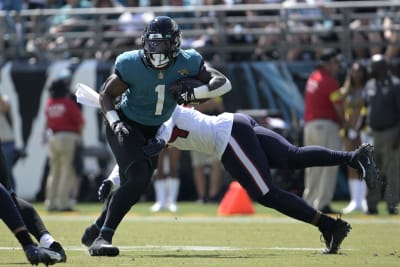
x=63 y=114
x=322 y=92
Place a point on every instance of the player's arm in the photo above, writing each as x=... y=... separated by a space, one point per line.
x=216 y=83
x=112 y=88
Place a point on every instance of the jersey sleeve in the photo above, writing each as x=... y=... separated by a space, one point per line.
x=124 y=65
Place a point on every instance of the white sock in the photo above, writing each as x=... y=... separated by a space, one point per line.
x=173 y=189
x=160 y=189
x=361 y=194
x=46 y=240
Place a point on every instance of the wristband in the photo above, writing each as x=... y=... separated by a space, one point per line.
x=112 y=117
x=201 y=92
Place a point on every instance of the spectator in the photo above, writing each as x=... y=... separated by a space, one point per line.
x=166 y=181
x=365 y=43
x=131 y=26
x=353 y=94
x=102 y=45
x=391 y=36
x=207 y=165
x=383 y=91
x=65 y=122
x=64 y=21
x=14 y=25
x=7 y=136
x=323 y=117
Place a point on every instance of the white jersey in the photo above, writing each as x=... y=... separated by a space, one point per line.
x=189 y=129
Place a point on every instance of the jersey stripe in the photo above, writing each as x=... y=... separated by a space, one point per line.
x=248 y=164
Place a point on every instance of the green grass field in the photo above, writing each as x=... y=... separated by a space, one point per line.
x=196 y=236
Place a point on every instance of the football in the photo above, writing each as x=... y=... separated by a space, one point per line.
x=182 y=90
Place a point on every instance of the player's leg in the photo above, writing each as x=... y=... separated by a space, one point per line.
x=13 y=219
x=36 y=227
x=245 y=160
x=284 y=155
x=136 y=171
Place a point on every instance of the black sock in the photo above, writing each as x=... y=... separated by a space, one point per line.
x=24 y=238
x=107 y=233
x=31 y=218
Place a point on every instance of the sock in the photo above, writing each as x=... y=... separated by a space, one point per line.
x=160 y=189
x=361 y=190
x=24 y=238
x=107 y=233
x=325 y=223
x=46 y=240
x=173 y=189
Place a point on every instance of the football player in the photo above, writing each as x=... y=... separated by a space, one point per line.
x=12 y=215
x=140 y=79
x=248 y=151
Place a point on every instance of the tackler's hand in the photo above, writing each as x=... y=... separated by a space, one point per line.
x=153 y=147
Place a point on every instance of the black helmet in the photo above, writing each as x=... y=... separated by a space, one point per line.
x=161 y=41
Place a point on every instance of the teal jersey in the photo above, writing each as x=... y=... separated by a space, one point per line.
x=147 y=100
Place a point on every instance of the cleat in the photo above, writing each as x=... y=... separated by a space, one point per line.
x=335 y=237
x=365 y=164
x=38 y=255
x=90 y=235
x=157 y=207
x=56 y=247
x=101 y=247
x=172 y=207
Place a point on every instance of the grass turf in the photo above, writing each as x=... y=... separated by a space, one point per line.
x=196 y=236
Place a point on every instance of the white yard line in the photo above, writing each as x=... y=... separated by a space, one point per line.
x=206 y=219
x=184 y=248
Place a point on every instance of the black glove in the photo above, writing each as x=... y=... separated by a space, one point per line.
x=121 y=130
x=186 y=96
x=104 y=190
x=153 y=147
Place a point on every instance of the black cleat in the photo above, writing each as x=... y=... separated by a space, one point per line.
x=365 y=164
x=55 y=246
x=38 y=255
x=90 y=235
x=101 y=247
x=335 y=237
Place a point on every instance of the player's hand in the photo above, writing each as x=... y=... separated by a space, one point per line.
x=153 y=147
x=121 y=130
x=104 y=190
x=185 y=96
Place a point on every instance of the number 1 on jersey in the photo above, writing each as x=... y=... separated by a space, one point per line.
x=160 y=90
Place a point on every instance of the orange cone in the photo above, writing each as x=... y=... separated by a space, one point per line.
x=235 y=201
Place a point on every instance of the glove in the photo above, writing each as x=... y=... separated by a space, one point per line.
x=186 y=96
x=121 y=130
x=104 y=190
x=153 y=147
x=182 y=90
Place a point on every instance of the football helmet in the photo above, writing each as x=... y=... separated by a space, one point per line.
x=161 y=41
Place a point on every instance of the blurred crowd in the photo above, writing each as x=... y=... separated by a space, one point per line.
x=305 y=27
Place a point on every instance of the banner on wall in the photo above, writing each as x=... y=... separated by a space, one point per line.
x=27 y=85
